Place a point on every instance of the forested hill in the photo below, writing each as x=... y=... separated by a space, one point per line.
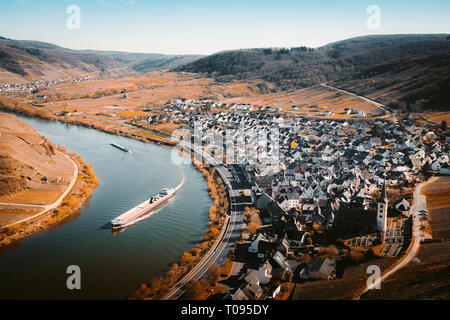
x=412 y=70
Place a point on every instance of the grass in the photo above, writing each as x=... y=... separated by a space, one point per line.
x=40 y=197
x=133 y=114
x=149 y=135
x=165 y=128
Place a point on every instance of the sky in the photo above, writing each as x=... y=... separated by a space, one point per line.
x=209 y=26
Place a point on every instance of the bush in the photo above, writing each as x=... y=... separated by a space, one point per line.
x=213 y=273
x=193 y=290
x=142 y=292
x=252 y=227
x=186 y=258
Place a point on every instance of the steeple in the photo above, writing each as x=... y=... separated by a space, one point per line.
x=383 y=196
x=382 y=210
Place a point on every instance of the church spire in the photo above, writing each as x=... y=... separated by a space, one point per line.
x=382 y=210
x=383 y=196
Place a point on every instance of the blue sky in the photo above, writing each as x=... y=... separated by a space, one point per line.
x=205 y=27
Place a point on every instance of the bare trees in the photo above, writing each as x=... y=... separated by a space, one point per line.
x=213 y=273
x=253 y=220
x=193 y=290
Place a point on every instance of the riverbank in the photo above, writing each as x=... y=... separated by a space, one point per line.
x=216 y=190
x=37 y=178
x=159 y=287
x=101 y=125
x=70 y=206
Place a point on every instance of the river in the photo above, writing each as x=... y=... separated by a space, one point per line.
x=112 y=266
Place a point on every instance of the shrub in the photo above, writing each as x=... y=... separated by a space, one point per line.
x=186 y=258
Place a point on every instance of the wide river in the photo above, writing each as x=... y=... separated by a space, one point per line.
x=112 y=266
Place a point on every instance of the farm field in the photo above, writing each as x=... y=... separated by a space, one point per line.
x=126 y=98
x=311 y=101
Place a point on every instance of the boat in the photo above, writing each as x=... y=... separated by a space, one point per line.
x=120 y=147
x=143 y=209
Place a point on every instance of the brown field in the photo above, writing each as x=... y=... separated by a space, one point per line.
x=324 y=98
x=438 y=203
x=425 y=278
x=10 y=215
x=42 y=195
x=353 y=281
x=151 y=90
x=29 y=158
x=438 y=117
x=165 y=128
x=106 y=98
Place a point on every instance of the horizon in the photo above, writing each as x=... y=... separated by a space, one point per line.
x=203 y=28
x=193 y=54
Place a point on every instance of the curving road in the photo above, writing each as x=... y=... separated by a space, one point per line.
x=55 y=204
x=230 y=233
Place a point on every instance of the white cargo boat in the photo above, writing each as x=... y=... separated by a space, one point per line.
x=120 y=147
x=144 y=208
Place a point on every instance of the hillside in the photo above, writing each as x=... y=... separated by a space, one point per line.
x=410 y=71
x=25 y=61
x=26 y=158
x=147 y=62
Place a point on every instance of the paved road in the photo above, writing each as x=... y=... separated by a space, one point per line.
x=227 y=241
x=55 y=204
x=420 y=202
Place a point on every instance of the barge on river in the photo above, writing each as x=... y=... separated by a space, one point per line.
x=143 y=209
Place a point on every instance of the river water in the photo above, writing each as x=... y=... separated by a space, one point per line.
x=112 y=266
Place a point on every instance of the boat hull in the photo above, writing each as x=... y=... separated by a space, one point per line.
x=122 y=148
x=137 y=212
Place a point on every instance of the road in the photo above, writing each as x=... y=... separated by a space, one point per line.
x=420 y=202
x=229 y=236
x=377 y=104
x=55 y=204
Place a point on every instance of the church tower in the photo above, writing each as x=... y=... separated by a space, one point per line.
x=382 y=211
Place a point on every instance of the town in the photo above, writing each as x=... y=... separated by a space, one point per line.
x=313 y=191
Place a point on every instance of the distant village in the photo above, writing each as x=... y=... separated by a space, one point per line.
x=42 y=84
x=344 y=177
x=184 y=105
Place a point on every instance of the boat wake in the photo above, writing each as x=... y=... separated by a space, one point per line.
x=183 y=180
